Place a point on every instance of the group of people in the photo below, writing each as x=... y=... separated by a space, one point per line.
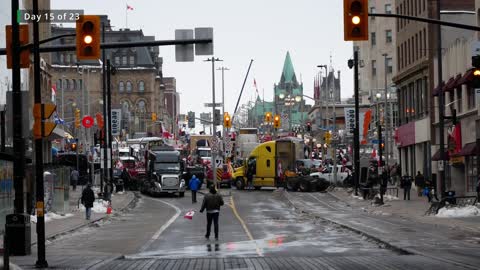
x=425 y=186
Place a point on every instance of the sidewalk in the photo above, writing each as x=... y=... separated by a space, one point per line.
x=414 y=209
x=76 y=218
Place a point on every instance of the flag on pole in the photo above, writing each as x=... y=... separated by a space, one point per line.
x=129 y=7
x=54 y=93
x=255 y=85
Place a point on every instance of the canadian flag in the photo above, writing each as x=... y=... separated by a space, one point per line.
x=189 y=214
x=54 y=92
x=129 y=7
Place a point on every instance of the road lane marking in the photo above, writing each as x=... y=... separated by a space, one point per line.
x=164 y=226
x=247 y=231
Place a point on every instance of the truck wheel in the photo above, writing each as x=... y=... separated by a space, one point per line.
x=258 y=188
x=240 y=183
x=181 y=194
x=291 y=187
x=304 y=186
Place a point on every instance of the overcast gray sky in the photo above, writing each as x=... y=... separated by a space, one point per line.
x=263 y=30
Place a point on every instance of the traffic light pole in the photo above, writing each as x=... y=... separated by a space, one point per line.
x=104 y=94
x=441 y=108
x=109 y=123
x=214 y=128
x=356 y=135
x=41 y=261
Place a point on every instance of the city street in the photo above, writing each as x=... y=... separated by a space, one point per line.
x=258 y=230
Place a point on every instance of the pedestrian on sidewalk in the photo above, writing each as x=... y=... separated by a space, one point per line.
x=87 y=199
x=194 y=185
x=212 y=202
x=478 y=189
x=420 y=183
x=406 y=184
x=74 y=179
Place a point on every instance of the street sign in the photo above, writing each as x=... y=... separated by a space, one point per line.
x=204 y=48
x=116 y=121
x=184 y=53
x=219 y=162
x=228 y=153
x=211 y=104
x=440 y=165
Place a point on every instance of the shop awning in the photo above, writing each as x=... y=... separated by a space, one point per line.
x=467 y=77
x=448 y=85
x=457 y=83
x=436 y=157
x=437 y=89
x=469 y=149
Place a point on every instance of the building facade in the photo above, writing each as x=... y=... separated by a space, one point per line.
x=416 y=47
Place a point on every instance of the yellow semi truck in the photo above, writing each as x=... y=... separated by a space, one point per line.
x=267 y=163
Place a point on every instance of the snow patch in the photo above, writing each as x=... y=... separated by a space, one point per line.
x=468 y=211
x=357 y=197
x=99 y=206
x=51 y=216
x=390 y=198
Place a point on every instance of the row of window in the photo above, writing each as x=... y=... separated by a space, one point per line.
x=67 y=58
x=413 y=101
x=388 y=37
x=128 y=86
x=124 y=60
x=458 y=99
x=412 y=49
x=388 y=10
x=389 y=66
x=409 y=8
x=69 y=84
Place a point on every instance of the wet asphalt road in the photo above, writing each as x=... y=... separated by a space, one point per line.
x=257 y=225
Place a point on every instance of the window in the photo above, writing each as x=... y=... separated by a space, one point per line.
x=388 y=34
x=129 y=86
x=459 y=99
x=398 y=55
x=131 y=60
x=416 y=48
x=80 y=84
x=424 y=43
x=471 y=173
x=59 y=84
x=141 y=86
x=373 y=38
x=74 y=58
x=408 y=52
x=67 y=59
x=471 y=97
x=372 y=10
x=397 y=22
x=374 y=67
x=124 y=60
x=389 y=65
x=424 y=3
x=61 y=58
x=73 y=85
x=401 y=56
x=117 y=60
x=67 y=85
x=388 y=9
x=420 y=47
x=121 y=86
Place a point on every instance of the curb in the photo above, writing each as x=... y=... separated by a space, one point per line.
x=402 y=251
x=131 y=204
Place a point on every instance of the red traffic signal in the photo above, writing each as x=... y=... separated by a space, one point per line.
x=355 y=20
x=88 y=37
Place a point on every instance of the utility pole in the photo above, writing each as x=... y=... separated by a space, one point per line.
x=41 y=261
x=441 y=107
x=105 y=125
x=385 y=110
x=214 y=128
x=224 y=130
x=356 y=135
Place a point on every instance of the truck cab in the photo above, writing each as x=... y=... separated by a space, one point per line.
x=165 y=172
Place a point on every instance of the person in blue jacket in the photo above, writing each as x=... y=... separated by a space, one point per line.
x=194 y=185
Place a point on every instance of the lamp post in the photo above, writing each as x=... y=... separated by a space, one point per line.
x=385 y=115
x=327 y=92
x=214 y=154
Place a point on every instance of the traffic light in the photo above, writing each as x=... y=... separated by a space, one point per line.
x=268 y=117
x=476 y=71
x=276 y=121
x=48 y=127
x=227 y=121
x=154 y=117
x=191 y=119
x=309 y=126
x=216 y=117
x=88 y=37
x=23 y=37
x=328 y=137
x=355 y=20
x=77 y=118
x=74 y=147
x=100 y=121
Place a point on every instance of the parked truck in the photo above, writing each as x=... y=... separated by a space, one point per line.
x=165 y=172
x=272 y=164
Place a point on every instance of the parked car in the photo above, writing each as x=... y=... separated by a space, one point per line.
x=343 y=174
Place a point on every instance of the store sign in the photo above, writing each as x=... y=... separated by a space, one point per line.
x=457 y=160
x=116 y=117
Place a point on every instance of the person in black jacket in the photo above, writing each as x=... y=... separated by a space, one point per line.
x=212 y=203
x=88 y=197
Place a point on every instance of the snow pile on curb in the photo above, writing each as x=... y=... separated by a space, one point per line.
x=390 y=198
x=51 y=216
x=357 y=197
x=468 y=211
x=99 y=206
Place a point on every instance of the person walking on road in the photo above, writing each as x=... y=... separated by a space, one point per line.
x=212 y=203
x=420 y=183
x=88 y=197
x=406 y=184
x=194 y=185
x=74 y=179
